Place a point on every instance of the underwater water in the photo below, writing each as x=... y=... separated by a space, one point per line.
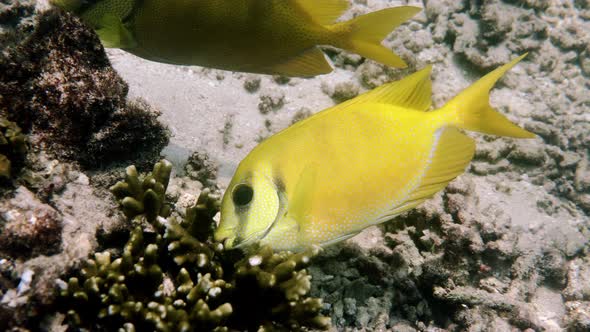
x=89 y=243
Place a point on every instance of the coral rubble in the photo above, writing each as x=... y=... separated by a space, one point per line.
x=28 y=227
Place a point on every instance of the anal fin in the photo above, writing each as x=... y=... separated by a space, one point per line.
x=339 y=239
x=307 y=64
x=450 y=154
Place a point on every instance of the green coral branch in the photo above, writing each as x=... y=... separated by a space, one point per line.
x=13 y=147
x=147 y=195
x=178 y=279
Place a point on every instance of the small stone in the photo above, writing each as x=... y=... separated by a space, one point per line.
x=272 y=100
x=582 y=176
x=578 y=316
x=31 y=228
x=341 y=91
x=527 y=153
x=252 y=83
x=578 y=280
x=585 y=62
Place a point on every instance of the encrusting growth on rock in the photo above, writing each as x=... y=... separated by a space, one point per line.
x=171 y=276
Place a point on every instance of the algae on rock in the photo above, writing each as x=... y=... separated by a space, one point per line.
x=58 y=85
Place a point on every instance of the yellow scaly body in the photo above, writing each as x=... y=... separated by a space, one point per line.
x=357 y=164
x=261 y=36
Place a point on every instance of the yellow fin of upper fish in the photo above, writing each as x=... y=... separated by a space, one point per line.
x=476 y=114
x=452 y=153
x=310 y=63
x=324 y=11
x=367 y=32
x=412 y=92
x=114 y=34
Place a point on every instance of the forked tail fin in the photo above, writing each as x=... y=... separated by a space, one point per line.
x=366 y=32
x=473 y=112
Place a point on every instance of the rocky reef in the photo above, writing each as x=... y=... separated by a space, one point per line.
x=58 y=85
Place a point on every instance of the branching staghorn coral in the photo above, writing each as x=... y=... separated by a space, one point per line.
x=173 y=277
x=144 y=195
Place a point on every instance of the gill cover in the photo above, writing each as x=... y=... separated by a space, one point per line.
x=251 y=206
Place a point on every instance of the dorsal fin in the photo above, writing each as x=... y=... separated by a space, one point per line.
x=413 y=92
x=309 y=63
x=324 y=11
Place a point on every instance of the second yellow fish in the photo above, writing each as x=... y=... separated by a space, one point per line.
x=357 y=164
x=258 y=36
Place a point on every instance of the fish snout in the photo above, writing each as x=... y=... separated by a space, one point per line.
x=228 y=242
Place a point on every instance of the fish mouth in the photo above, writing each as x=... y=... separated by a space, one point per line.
x=231 y=241
x=241 y=242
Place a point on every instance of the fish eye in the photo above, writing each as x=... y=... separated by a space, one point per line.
x=242 y=195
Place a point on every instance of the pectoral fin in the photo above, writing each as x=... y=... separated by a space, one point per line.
x=113 y=33
x=302 y=202
x=309 y=63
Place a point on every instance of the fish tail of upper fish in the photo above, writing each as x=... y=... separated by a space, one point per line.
x=364 y=34
x=471 y=110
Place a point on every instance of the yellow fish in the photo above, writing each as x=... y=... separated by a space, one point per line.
x=357 y=164
x=258 y=36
